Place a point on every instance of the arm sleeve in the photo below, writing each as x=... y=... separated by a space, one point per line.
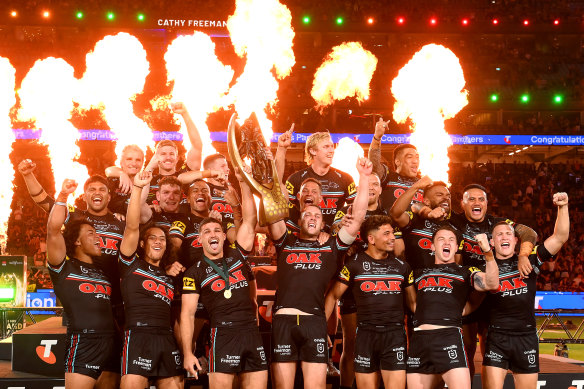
x=192 y=283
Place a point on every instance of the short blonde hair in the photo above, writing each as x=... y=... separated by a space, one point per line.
x=129 y=148
x=311 y=143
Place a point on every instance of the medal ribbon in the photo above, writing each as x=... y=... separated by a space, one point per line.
x=224 y=274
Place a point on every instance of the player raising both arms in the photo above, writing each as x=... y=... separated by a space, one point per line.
x=512 y=342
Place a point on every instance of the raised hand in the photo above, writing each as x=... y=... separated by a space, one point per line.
x=364 y=166
x=178 y=108
x=285 y=140
x=560 y=199
x=215 y=214
x=143 y=178
x=26 y=167
x=483 y=242
x=68 y=186
x=423 y=182
x=436 y=214
x=380 y=128
x=231 y=197
x=175 y=269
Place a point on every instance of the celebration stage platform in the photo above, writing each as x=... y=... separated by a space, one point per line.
x=36 y=362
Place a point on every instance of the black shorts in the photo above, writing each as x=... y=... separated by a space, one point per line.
x=299 y=338
x=151 y=353
x=436 y=351
x=235 y=350
x=91 y=353
x=512 y=350
x=347 y=303
x=380 y=348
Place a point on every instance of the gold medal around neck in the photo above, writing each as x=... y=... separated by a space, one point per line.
x=227 y=293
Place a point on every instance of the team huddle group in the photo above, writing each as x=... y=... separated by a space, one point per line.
x=159 y=251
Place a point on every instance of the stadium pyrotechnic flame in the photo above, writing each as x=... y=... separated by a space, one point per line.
x=260 y=30
x=199 y=79
x=346 y=155
x=7 y=100
x=428 y=90
x=346 y=72
x=46 y=96
x=116 y=72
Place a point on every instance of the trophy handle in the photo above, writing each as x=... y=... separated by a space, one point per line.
x=273 y=205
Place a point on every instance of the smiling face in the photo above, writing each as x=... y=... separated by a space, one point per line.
x=382 y=239
x=323 y=152
x=310 y=194
x=221 y=165
x=97 y=197
x=154 y=244
x=504 y=241
x=168 y=197
x=474 y=204
x=444 y=246
x=407 y=163
x=131 y=162
x=438 y=196
x=88 y=241
x=167 y=158
x=212 y=237
x=310 y=222
x=200 y=198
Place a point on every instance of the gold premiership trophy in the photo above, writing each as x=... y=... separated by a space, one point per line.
x=247 y=141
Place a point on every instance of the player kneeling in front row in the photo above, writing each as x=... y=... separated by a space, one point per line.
x=379 y=282
x=436 y=350
x=512 y=342
x=225 y=284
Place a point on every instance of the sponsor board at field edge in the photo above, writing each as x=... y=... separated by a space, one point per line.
x=221 y=136
x=556 y=300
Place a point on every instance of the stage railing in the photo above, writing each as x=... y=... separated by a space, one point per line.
x=574 y=337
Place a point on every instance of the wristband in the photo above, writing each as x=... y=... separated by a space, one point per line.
x=377 y=139
x=138 y=186
x=60 y=203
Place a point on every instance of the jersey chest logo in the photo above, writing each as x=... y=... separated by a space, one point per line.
x=236 y=281
x=100 y=291
x=472 y=248
x=418 y=197
x=163 y=291
x=436 y=284
x=512 y=287
x=306 y=261
x=108 y=245
x=381 y=286
x=196 y=243
x=328 y=203
x=222 y=208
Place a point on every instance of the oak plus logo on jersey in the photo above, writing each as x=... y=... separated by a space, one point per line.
x=378 y=287
x=435 y=284
x=512 y=287
x=306 y=261
x=236 y=280
x=44 y=351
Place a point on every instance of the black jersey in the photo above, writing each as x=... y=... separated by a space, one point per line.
x=85 y=291
x=378 y=287
x=191 y=249
x=305 y=269
x=147 y=292
x=394 y=185
x=174 y=222
x=417 y=236
x=342 y=212
x=511 y=307
x=219 y=204
x=119 y=200
x=442 y=291
x=472 y=255
x=110 y=232
x=338 y=188
x=239 y=309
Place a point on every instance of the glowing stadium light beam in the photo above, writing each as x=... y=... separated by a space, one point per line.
x=116 y=72
x=345 y=72
x=46 y=96
x=260 y=30
x=199 y=80
x=428 y=90
x=346 y=155
x=7 y=101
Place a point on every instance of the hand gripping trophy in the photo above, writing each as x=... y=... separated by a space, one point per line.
x=247 y=141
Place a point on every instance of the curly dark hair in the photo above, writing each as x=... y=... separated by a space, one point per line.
x=71 y=234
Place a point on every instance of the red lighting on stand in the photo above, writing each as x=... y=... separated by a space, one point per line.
x=46 y=14
x=556 y=22
x=370 y=20
x=401 y=20
x=526 y=22
x=433 y=21
x=465 y=22
x=495 y=21
x=13 y=14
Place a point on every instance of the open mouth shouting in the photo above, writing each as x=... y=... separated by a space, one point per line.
x=97 y=201
x=214 y=244
x=476 y=211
